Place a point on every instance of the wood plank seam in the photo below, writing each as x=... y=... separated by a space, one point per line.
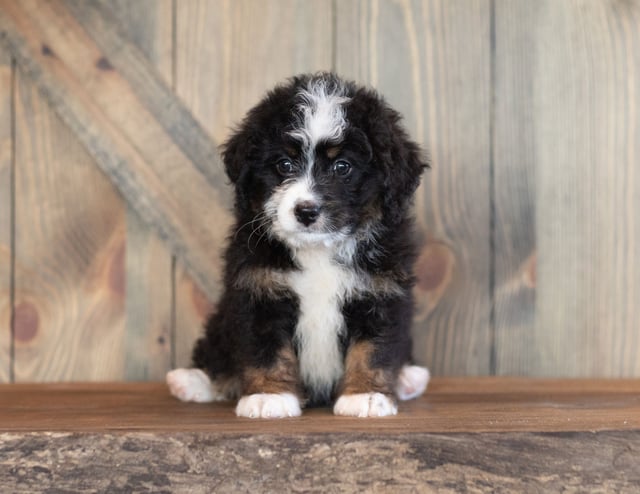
x=492 y=190
x=12 y=227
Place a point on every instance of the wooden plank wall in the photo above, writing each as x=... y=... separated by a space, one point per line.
x=527 y=220
x=149 y=268
x=432 y=61
x=6 y=179
x=224 y=63
x=586 y=121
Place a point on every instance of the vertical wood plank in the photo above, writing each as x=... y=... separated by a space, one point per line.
x=228 y=54
x=587 y=137
x=149 y=303
x=514 y=191
x=5 y=215
x=70 y=253
x=431 y=59
x=149 y=290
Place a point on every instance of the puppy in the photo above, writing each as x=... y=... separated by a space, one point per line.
x=317 y=303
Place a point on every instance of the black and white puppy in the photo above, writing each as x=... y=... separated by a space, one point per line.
x=317 y=302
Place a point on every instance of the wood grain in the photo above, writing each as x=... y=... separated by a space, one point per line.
x=149 y=264
x=149 y=303
x=228 y=54
x=431 y=59
x=451 y=405
x=69 y=241
x=321 y=463
x=6 y=211
x=148 y=24
x=129 y=141
x=153 y=92
x=529 y=111
x=482 y=434
x=587 y=137
x=514 y=172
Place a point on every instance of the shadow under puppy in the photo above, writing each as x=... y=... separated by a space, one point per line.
x=317 y=304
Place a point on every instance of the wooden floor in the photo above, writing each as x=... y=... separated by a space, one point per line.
x=450 y=405
x=475 y=434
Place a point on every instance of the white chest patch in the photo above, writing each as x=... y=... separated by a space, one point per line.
x=322 y=286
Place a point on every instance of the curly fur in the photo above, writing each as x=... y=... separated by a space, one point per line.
x=320 y=257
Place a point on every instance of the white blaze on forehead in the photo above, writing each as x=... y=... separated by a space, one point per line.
x=323 y=114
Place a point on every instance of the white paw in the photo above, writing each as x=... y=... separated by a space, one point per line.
x=365 y=405
x=268 y=406
x=191 y=385
x=412 y=382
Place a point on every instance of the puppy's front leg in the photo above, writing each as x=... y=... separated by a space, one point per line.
x=366 y=391
x=271 y=392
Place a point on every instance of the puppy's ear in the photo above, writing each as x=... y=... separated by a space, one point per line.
x=402 y=162
x=234 y=154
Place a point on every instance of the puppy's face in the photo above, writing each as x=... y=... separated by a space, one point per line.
x=315 y=159
x=321 y=193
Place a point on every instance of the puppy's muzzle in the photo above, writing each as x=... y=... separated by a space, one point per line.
x=307 y=212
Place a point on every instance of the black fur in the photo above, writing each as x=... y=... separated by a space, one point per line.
x=372 y=204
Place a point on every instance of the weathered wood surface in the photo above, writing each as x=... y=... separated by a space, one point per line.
x=450 y=405
x=514 y=189
x=132 y=126
x=149 y=310
x=154 y=93
x=479 y=435
x=69 y=259
x=432 y=60
x=224 y=64
x=149 y=291
x=564 y=247
x=587 y=127
x=6 y=180
x=529 y=111
x=323 y=463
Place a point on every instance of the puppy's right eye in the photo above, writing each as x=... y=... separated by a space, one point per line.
x=285 y=167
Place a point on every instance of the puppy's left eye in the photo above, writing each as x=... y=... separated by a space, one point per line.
x=341 y=168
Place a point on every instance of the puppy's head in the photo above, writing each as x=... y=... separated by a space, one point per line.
x=319 y=160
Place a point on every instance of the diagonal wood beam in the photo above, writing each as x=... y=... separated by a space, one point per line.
x=101 y=25
x=130 y=121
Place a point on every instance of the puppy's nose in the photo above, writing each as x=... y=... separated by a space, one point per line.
x=307 y=212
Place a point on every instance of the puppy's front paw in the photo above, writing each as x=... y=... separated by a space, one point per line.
x=190 y=385
x=365 y=405
x=268 y=406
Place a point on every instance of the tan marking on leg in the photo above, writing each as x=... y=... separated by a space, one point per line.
x=360 y=376
x=282 y=377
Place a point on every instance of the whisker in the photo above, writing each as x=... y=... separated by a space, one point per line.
x=259 y=217
x=264 y=222
x=265 y=232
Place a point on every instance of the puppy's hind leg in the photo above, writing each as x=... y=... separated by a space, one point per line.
x=412 y=382
x=195 y=385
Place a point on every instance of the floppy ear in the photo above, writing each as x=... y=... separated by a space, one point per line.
x=401 y=160
x=234 y=154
